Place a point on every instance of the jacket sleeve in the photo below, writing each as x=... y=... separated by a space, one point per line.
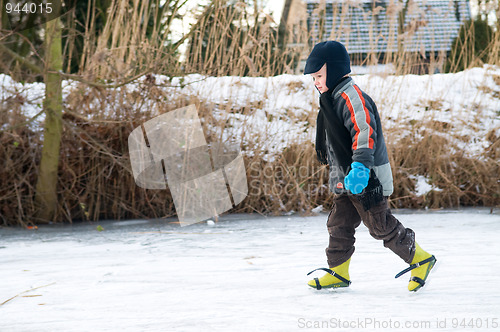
x=359 y=119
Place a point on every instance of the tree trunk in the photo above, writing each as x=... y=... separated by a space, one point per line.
x=46 y=187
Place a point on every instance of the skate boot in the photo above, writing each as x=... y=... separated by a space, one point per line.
x=334 y=278
x=420 y=266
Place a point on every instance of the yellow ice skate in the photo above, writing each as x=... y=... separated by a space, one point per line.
x=420 y=266
x=335 y=277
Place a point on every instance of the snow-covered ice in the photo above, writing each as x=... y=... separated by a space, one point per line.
x=245 y=273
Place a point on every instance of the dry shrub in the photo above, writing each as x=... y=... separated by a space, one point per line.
x=96 y=182
x=239 y=40
x=20 y=157
x=95 y=167
x=496 y=79
x=295 y=86
x=462 y=180
x=95 y=178
x=292 y=181
x=134 y=39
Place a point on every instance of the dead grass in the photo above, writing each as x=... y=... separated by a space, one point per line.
x=496 y=79
x=296 y=86
x=463 y=180
x=95 y=180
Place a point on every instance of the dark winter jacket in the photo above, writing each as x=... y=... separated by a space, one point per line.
x=349 y=130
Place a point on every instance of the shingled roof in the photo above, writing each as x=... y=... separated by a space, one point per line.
x=369 y=26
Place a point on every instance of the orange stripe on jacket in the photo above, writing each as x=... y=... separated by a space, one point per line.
x=368 y=119
x=353 y=118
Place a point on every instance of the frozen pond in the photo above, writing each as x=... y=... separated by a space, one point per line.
x=245 y=273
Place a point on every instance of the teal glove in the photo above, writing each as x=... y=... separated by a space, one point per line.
x=357 y=179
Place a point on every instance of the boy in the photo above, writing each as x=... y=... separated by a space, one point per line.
x=349 y=139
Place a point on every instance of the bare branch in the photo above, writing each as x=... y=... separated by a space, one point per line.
x=102 y=85
x=22 y=60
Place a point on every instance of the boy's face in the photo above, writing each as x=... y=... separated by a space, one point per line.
x=319 y=79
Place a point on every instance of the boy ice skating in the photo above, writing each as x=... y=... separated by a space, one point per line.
x=349 y=139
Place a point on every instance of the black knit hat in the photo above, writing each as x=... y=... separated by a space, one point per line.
x=336 y=58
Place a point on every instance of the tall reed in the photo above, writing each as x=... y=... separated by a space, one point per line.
x=95 y=180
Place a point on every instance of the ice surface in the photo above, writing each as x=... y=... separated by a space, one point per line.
x=244 y=273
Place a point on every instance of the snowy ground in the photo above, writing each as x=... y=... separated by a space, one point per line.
x=244 y=273
x=282 y=109
x=266 y=115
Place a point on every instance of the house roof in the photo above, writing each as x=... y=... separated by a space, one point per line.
x=372 y=26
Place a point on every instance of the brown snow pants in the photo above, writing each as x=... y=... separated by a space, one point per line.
x=346 y=216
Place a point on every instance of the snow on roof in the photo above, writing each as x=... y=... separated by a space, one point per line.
x=372 y=26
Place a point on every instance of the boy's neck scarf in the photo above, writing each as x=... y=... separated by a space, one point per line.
x=324 y=124
x=321 y=138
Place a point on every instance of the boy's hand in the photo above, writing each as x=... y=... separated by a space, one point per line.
x=357 y=179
